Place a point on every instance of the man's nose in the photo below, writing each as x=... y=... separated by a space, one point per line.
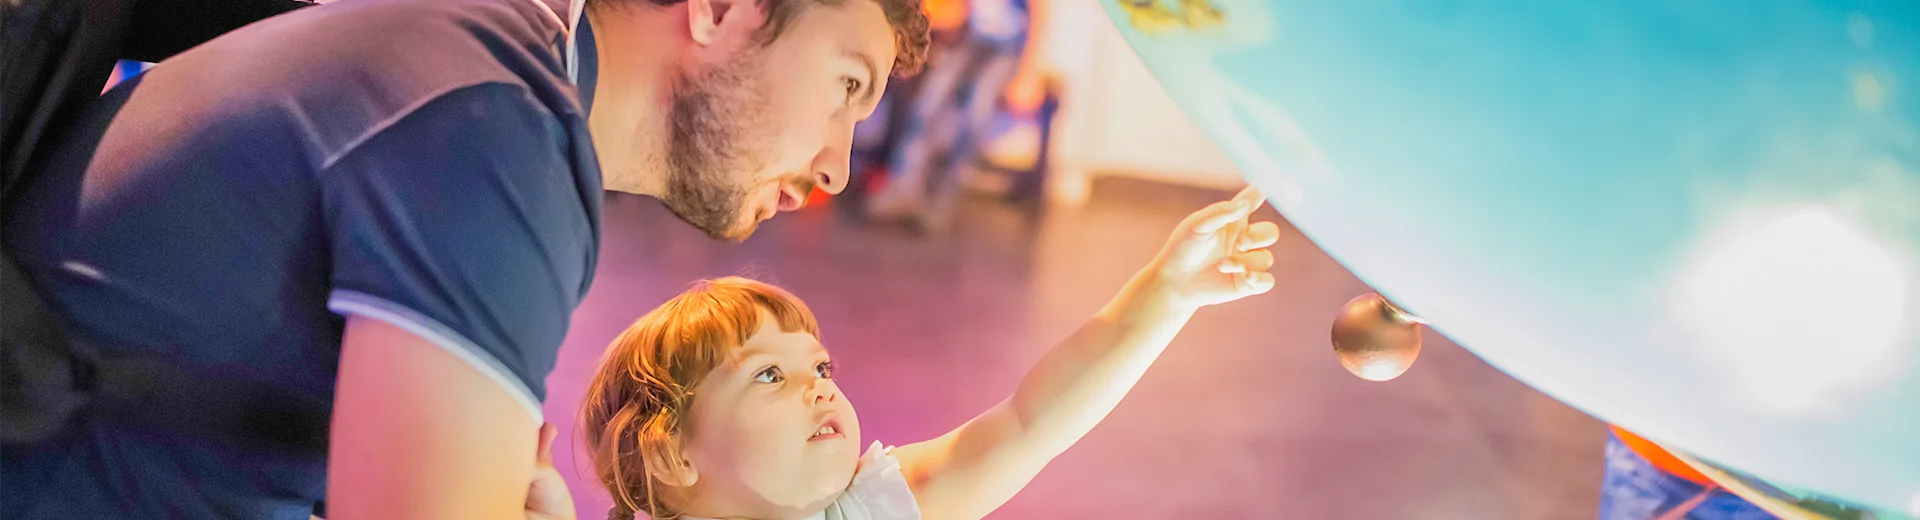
x=831 y=167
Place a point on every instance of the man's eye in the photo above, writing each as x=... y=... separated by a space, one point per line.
x=769 y=375
x=853 y=87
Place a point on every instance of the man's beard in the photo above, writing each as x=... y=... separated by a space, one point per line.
x=716 y=120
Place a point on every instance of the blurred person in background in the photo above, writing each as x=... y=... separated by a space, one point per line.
x=983 y=101
x=875 y=138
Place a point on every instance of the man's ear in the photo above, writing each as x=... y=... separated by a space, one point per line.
x=714 y=21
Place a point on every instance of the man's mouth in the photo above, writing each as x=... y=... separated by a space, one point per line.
x=792 y=199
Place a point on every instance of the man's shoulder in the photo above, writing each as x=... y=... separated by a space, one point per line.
x=471 y=121
x=344 y=70
x=433 y=38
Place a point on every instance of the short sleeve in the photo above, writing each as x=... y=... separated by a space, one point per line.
x=462 y=222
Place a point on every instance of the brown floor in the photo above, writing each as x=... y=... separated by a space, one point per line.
x=1247 y=415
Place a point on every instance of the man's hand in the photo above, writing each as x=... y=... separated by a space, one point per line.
x=547 y=496
x=1215 y=256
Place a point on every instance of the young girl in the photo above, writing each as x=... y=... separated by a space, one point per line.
x=721 y=402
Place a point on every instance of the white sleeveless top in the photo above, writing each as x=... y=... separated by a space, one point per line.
x=878 y=492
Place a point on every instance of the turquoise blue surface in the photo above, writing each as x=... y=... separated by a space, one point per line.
x=1699 y=220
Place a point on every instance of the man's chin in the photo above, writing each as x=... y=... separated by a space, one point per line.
x=736 y=234
x=736 y=231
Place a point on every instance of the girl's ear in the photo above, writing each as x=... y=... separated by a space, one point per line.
x=670 y=466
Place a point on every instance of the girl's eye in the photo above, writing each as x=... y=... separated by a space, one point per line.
x=824 y=369
x=768 y=375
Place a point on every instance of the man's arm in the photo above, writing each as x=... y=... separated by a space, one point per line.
x=1213 y=258
x=461 y=242
x=418 y=433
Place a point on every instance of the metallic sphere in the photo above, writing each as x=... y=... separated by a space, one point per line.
x=1374 y=339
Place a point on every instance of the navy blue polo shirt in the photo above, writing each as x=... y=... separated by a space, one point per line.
x=421 y=162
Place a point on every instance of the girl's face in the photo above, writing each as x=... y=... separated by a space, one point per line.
x=770 y=435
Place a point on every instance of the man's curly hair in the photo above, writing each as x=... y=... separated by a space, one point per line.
x=910 y=37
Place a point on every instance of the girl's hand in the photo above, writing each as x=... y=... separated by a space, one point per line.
x=1215 y=256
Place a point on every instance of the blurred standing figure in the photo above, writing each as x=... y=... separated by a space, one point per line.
x=984 y=81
